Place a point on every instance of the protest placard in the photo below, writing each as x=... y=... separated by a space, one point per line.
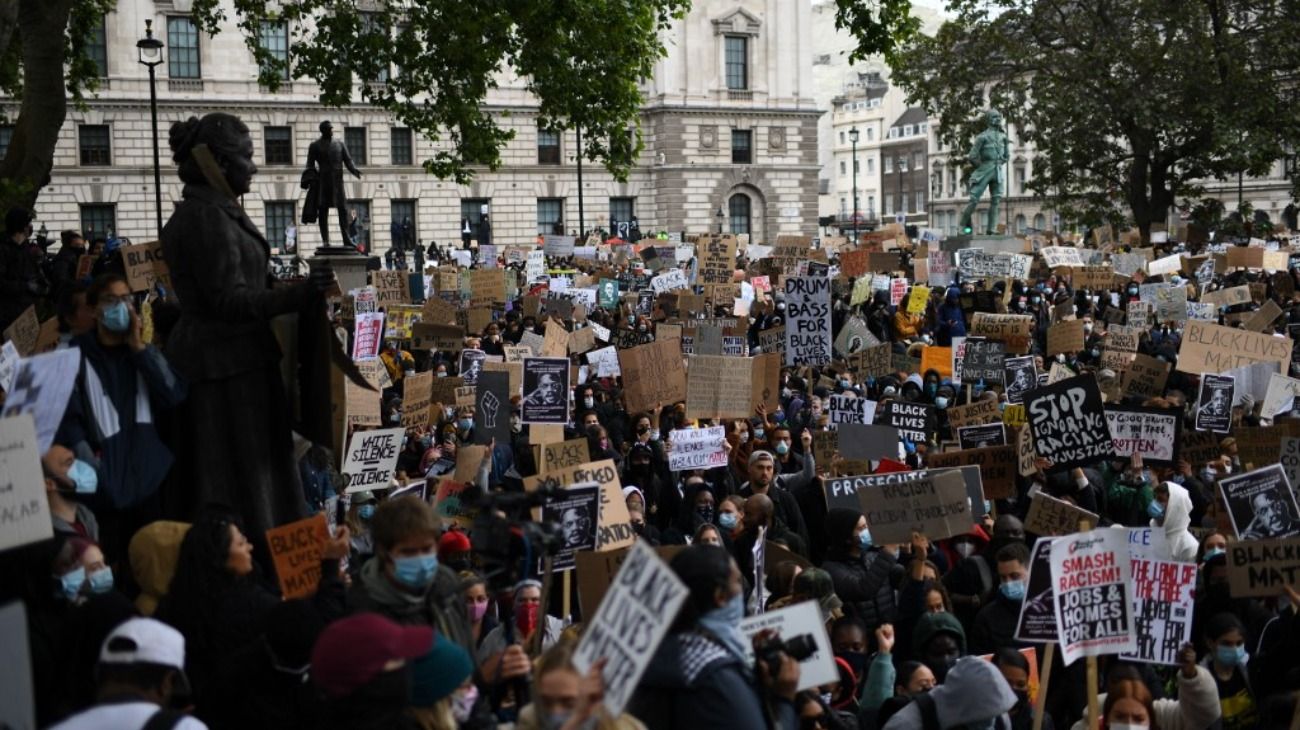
x=296 y=552
x=1162 y=609
x=391 y=287
x=1015 y=330
x=1260 y=568
x=1260 y=446
x=1057 y=256
x=1122 y=339
x=914 y=421
x=492 y=408
x=416 y=391
x=1094 y=606
x=1049 y=516
x=976 y=264
x=652 y=374
x=1261 y=504
x=471 y=364
x=717 y=388
x=614 y=529
x=1281 y=395
x=995 y=465
x=581 y=340
x=1069 y=424
x=851 y=409
x=1214 y=403
x=372 y=459
x=808 y=321
x=670 y=280
x=24 y=507
x=1211 y=348
x=935 y=506
x=1145 y=377
x=563 y=454
x=605 y=362
x=645 y=594
x=717 y=258
x=576 y=511
x=974 y=414
x=1151 y=432
x=1037 y=621
x=982 y=436
x=41 y=385
x=557 y=245
x=368 y=335
x=1021 y=376
x=145 y=266
x=546 y=390
x=1093 y=277
x=799 y=620
x=1065 y=337
x=983 y=360
x=862 y=442
x=24 y=331
x=697 y=448
x=937 y=358
x=853 y=338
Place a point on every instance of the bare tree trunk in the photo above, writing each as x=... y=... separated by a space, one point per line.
x=8 y=24
x=42 y=25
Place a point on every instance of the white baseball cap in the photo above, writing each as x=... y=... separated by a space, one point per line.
x=144 y=640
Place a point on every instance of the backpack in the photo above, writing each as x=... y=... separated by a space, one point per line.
x=164 y=719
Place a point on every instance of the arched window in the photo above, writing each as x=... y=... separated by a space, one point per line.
x=1020 y=223
x=1040 y=223
x=739 y=209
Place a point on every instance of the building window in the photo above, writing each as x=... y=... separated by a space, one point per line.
x=473 y=210
x=871 y=206
x=920 y=201
x=841 y=137
x=273 y=37
x=737 y=62
x=1040 y=223
x=1020 y=223
x=622 y=210
x=550 y=216
x=844 y=206
x=909 y=130
x=97 y=48
x=1020 y=180
x=6 y=136
x=871 y=134
x=844 y=168
x=370 y=25
x=279 y=218
x=902 y=207
x=96 y=147
x=889 y=164
x=742 y=148
x=359 y=223
x=889 y=203
x=738 y=207
x=402 y=223
x=871 y=165
x=548 y=147
x=918 y=161
x=401 y=149
x=182 y=48
x=98 y=221
x=355 y=139
x=279 y=145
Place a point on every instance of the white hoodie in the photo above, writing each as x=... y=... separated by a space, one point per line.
x=1178 y=517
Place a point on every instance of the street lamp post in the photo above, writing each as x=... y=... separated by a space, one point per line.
x=720 y=216
x=853 y=137
x=150 y=51
x=582 y=220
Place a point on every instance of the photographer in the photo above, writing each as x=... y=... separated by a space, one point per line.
x=700 y=676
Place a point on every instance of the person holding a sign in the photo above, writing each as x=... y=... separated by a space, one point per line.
x=702 y=676
x=862 y=571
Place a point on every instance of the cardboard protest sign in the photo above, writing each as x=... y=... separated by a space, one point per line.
x=864 y=442
x=145 y=266
x=1214 y=403
x=1260 y=445
x=371 y=460
x=808 y=321
x=546 y=390
x=1290 y=459
x=1122 y=339
x=652 y=374
x=914 y=421
x=645 y=594
x=1015 y=330
x=416 y=391
x=937 y=358
x=1093 y=277
x=296 y=552
x=391 y=287
x=24 y=331
x=1093 y=595
x=853 y=338
x=974 y=414
x=797 y=620
x=576 y=511
x=1162 y=609
x=24 y=508
x=976 y=264
x=936 y=506
x=850 y=409
x=1260 y=568
x=614 y=528
x=367 y=335
x=995 y=465
x=1261 y=504
x=1151 y=432
x=1211 y=348
x=1021 y=376
x=873 y=361
x=492 y=408
x=1037 y=622
x=1069 y=424
x=563 y=454
x=983 y=360
x=697 y=448
x=1281 y=395
x=605 y=362
x=1058 y=256
x=1145 y=377
x=1065 y=337
x=1050 y=516
x=982 y=436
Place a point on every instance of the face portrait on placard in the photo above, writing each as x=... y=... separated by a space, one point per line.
x=575 y=524
x=547 y=391
x=1272 y=517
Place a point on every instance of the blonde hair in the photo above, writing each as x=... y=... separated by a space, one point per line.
x=436 y=717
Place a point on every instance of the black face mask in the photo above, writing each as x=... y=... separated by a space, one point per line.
x=857 y=661
x=1022 y=702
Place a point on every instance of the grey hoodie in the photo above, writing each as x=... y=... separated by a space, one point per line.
x=973 y=691
x=1178 y=517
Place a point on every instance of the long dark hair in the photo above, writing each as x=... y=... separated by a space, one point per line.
x=201 y=581
x=704 y=569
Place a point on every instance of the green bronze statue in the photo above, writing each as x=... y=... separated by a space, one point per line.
x=988 y=155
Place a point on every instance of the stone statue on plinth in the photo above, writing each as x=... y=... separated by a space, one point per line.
x=988 y=154
x=323 y=181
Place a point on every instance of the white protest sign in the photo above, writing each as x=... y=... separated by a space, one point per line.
x=849 y=409
x=1057 y=256
x=669 y=280
x=372 y=459
x=42 y=385
x=801 y=619
x=535 y=268
x=1280 y=396
x=1167 y=265
x=697 y=448
x=808 y=320
x=557 y=245
x=1091 y=586
x=1162 y=609
x=368 y=335
x=9 y=358
x=632 y=620
x=602 y=332
x=24 y=511
x=606 y=362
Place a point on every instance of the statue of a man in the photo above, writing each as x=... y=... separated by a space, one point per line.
x=988 y=154
x=323 y=178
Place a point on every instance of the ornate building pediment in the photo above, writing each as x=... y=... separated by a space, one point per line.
x=737 y=22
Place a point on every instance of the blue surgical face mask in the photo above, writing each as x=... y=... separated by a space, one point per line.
x=729 y=520
x=864 y=539
x=844 y=383
x=724 y=623
x=1230 y=656
x=782 y=448
x=101 y=581
x=1212 y=552
x=941 y=402
x=465 y=424
x=116 y=317
x=758 y=433
x=1013 y=590
x=72 y=582
x=1155 y=510
x=417 y=571
x=931 y=389
x=84 y=476
x=366 y=512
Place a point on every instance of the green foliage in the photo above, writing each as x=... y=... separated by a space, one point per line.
x=82 y=73
x=880 y=26
x=431 y=64
x=1128 y=104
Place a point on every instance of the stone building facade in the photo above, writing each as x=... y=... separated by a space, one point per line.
x=729 y=124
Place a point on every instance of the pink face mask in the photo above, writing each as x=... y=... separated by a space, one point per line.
x=477 y=611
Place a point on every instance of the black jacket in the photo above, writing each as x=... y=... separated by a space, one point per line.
x=995 y=626
x=866 y=585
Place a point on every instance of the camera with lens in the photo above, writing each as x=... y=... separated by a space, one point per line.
x=798 y=648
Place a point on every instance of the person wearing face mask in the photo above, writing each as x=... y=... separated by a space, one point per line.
x=442 y=695
x=1196 y=706
x=939 y=640
x=404 y=581
x=995 y=624
x=701 y=675
x=863 y=573
x=503 y=644
x=642 y=470
x=975 y=695
x=971 y=578
x=67 y=481
x=1015 y=669
x=1227 y=659
x=788 y=492
x=123 y=387
x=482 y=615
x=563 y=699
x=362 y=665
x=951 y=320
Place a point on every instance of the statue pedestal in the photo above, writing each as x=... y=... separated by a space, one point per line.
x=349 y=264
x=995 y=243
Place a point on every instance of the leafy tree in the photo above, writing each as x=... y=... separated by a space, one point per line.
x=880 y=26
x=1128 y=104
